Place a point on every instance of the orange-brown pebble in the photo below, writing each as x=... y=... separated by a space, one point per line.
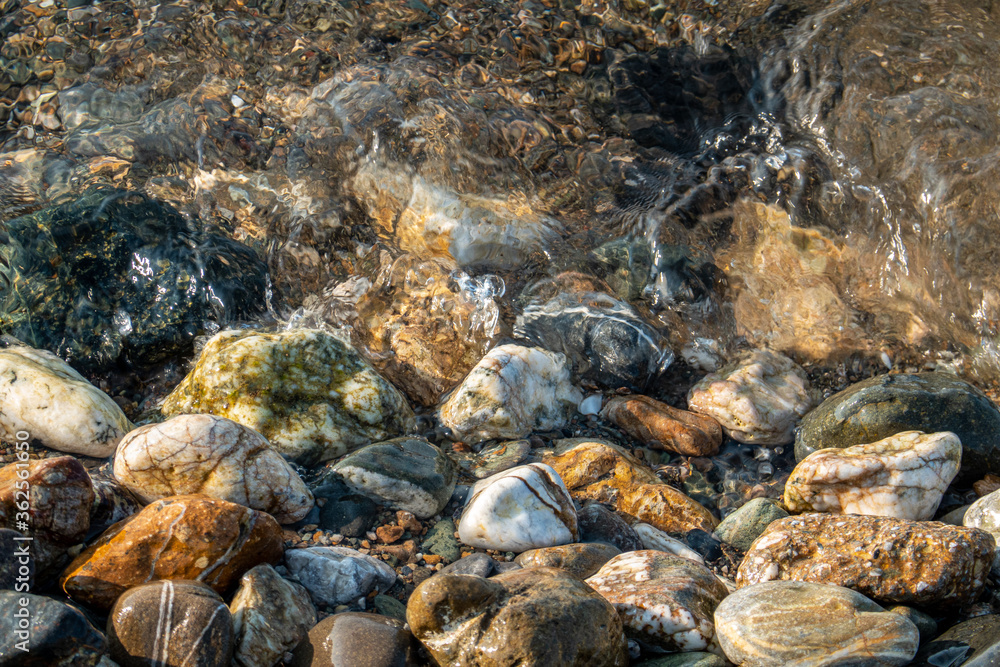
x=663 y=427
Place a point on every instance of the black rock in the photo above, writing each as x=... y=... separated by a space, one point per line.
x=705 y=543
x=972 y=643
x=46 y=633
x=344 y=511
x=116 y=274
x=888 y=404
x=112 y=503
x=599 y=524
x=14 y=568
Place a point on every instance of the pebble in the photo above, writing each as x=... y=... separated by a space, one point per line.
x=956 y=517
x=310 y=394
x=338 y=575
x=60 y=495
x=510 y=393
x=888 y=404
x=664 y=601
x=984 y=514
x=601 y=471
x=440 y=540
x=746 y=524
x=758 y=399
x=581 y=559
x=661 y=426
x=47 y=633
x=390 y=607
x=271 y=615
x=693 y=659
x=599 y=524
x=171 y=623
x=343 y=512
x=181 y=537
x=532 y=616
x=925 y=623
x=46 y=398
x=657 y=540
x=523 y=508
x=112 y=503
x=214 y=456
x=405 y=473
x=945 y=566
x=606 y=339
x=356 y=639
x=902 y=476
x=495 y=458
x=476 y=564
x=971 y=643
x=801 y=623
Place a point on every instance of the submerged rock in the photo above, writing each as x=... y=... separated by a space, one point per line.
x=888 y=404
x=902 y=476
x=214 y=456
x=746 y=524
x=662 y=427
x=496 y=458
x=533 y=616
x=511 y=392
x=271 y=615
x=599 y=524
x=355 y=638
x=920 y=563
x=582 y=559
x=799 y=623
x=310 y=394
x=116 y=274
x=55 y=634
x=758 y=399
x=524 y=508
x=664 y=600
x=337 y=575
x=47 y=401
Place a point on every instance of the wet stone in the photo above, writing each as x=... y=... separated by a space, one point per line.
x=440 y=540
x=888 y=404
x=532 y=616
x=693 y=659
x=495 y=458
x=606 y=339
x=657 y=540
x=902 y=476
x=181 y=537
x=758 y=399
x=45 y=398
x=54 y=634
x=919 y=563
x=390 y=607
x=793 y=622
x=142 y=299
x=511 y=392
x=60 y=495
x=112 y=503
x=355 y=639
x=660 y=426
x=405 y=473
x=343 y=512
x=971 y=643
x=337 y=575
x=213 y=456
x=664 y=601
x=581 y=559
x=476 y=564
x=599 y=524
x=984 y=514
x=310 y=394
x=270 y=616
x=746 y=524
x=523 y=508
x=16 y=563
x=925 y=623
x=171 y=623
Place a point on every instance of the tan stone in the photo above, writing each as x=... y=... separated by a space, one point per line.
x=582 y=559
x=597 y=470
x=181 y=537
x=663 y=427
x=889 y=560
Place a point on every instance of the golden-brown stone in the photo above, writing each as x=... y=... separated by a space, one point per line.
x=597 y=470
x=181 y=537
x=663 y=427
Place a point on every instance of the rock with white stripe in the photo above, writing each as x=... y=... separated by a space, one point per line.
x=271 y=615
x=511 y=392
x=337 y=575
x=665 y=601
x=902 y=476
x=47 y=401
x=606 y=339
x=527 y=507
x=171 y=623
x=758 y=399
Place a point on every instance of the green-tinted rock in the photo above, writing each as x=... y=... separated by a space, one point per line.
x=888 y=404
x=696 y=659
x=390 y=607
x=116 y=273
x=746 y=524
x=309 y=393
x=440 y=541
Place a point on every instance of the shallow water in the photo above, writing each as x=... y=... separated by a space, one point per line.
x=817 y=177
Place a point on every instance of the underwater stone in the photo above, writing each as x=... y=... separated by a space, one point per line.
x=116 y=274
x=663 y=427
x=309 y=393
x=746 y=524
x=582 y=559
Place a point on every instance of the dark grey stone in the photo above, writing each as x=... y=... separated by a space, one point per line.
x=54 y=633
x=599 y=524
x=478 y=564
x=972 y=643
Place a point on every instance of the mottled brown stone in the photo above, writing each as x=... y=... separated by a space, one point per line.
x=270 y=616
x=533 y=616
x=597 y=470
x=182 y=623
x=57 y=495
x=663 y=427
x=181 y=537
x=889 y=560
x=356 y=639
x=582 y=559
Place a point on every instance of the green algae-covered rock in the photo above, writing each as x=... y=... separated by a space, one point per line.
x=309 y=393
x=881 y=406
x=116 y=273
x=746 y=524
